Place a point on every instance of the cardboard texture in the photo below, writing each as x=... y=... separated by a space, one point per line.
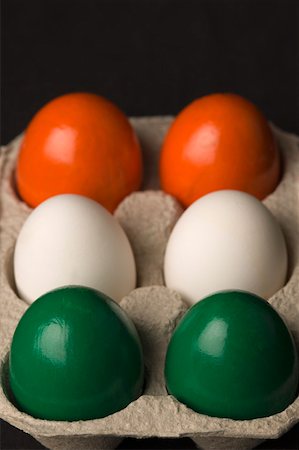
x=148 y=218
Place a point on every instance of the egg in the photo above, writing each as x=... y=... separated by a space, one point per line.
x=79 y=143
x=70 y=239
x=225 y=240
x=232 y=356
x=75 y=355
x=219 y=141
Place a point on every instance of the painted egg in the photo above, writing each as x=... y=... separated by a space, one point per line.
x=219 y=141
x=75 y=355
x=232 y=356
x=79 y=143
x=225 y=240
x=70 y=239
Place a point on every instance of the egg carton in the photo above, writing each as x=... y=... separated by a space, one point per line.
x=148 y=218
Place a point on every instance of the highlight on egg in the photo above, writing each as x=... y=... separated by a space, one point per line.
x=232 y=356
x=226 y=240
x=70 y=239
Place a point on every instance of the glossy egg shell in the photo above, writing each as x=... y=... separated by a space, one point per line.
x=79 y=143
x=219 y=141
x=232 y=356
x=75 y=355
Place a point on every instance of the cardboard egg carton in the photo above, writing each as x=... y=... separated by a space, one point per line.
x=148 y=218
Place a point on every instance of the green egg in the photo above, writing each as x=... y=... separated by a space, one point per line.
x=232 y=356
x=75 y=355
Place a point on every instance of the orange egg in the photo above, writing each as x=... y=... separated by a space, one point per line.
x=220 y=141
x=81 y=144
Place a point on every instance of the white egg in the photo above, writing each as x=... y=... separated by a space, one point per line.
x=225 y=240
x=72 y=240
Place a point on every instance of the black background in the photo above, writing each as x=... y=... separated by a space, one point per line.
x=150 y=57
